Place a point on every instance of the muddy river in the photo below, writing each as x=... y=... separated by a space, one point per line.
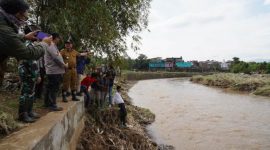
x=195 y=117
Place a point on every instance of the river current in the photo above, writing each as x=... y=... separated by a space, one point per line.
x=190 y=116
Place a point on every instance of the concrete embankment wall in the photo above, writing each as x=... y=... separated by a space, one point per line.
x=55 y=131
x=158 y=75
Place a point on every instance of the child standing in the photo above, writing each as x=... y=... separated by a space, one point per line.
x=117 y=99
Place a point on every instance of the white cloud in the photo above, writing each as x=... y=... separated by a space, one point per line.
x=267 y=2
x=208 y=29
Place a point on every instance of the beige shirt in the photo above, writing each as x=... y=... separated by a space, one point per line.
x=70 y=57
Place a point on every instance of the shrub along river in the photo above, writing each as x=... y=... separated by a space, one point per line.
x=193 y=116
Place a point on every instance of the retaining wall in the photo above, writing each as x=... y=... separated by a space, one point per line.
x=55 y=131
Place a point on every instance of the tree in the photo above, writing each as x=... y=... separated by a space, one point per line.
x=126 y=63
x=141 y=62
x=262 y=67
x=240 y=67
x=101 y=25
x=236 y=60
x=268 y=68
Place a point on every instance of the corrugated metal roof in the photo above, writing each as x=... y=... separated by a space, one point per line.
x=183 y=64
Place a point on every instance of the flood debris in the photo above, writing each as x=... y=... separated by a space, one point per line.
x=102 y=129
x=7 y=124
x=256 y=84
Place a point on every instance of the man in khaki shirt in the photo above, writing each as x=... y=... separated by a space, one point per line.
x=70 y=77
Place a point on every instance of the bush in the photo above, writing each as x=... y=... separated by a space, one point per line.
x=263 y=91
x=7 y=123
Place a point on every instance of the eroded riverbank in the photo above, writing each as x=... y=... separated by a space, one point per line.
x=258 y=84
x=102 y=129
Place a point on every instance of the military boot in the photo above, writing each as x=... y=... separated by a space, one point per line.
x=68 y=94
x=74 y=98
x=31 y=113
x=23 y=115
x=27 y=118
x=64 y=96
x=20 y=112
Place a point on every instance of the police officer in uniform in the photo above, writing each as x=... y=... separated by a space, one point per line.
x=70 y=77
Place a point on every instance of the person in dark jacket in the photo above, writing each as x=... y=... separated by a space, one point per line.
x=13 y=14
x=82 y=61
x=111 y=76
x=104 y=89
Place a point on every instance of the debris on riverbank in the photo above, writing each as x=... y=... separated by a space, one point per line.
x=7 y=124
x=131 y=75
x=257 y=84
x=102 y=129
x=8 y=112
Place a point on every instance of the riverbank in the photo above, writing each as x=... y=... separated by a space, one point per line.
x=102 y=124
x=102 y=129
x=134 y=76
x=255 y=84
x=9 y=99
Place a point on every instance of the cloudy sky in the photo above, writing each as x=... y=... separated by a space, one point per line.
x=208 y=29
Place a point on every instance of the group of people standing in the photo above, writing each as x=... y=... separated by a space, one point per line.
x=39 y=58
x=101 y=82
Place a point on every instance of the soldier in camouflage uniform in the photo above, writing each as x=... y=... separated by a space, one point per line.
x=29 y=77
x=28 y=72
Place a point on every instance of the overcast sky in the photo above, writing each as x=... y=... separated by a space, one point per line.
x=208 y=29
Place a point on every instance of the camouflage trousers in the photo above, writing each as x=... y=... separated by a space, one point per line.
x=27 y=93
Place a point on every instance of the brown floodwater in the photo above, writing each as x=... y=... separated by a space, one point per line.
x=190 y=116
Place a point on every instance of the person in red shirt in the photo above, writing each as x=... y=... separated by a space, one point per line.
x=85 y=83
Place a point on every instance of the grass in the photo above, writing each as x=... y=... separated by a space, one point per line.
x=263 y=91
x=131 y=75
x=7 y=124
x=9 y=102
x=258 y=84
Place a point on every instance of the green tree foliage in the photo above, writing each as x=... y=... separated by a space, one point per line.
x=142 y=62
x=126 y=63
x=236 y=60
x=249 y=67
x=240 y=67
x=101 y=25
x=268 y=68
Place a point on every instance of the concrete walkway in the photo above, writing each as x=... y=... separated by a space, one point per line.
x=54 y=131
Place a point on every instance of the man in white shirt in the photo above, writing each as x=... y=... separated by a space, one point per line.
x=117 y=99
